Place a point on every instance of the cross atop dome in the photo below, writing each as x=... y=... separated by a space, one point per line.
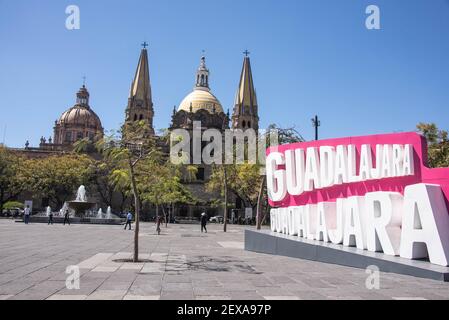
x=144 y=44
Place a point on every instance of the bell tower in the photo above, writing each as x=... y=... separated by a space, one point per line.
x=140 y=104
x=245 y=114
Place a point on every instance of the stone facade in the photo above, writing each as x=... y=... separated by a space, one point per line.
x=80 y=122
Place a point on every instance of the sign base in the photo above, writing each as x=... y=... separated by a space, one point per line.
x=266 y=241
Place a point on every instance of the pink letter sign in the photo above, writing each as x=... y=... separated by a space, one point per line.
x=372 y=192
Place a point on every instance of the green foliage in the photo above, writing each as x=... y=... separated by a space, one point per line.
x=12 y=205
x=58 y=177
x=438 y=144
x=157 y=180
x=13 y=175
x=242 y=180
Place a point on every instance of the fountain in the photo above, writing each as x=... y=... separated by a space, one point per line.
x=109 y=213
x=80 y=211
x=80 y=204
x=65 y=207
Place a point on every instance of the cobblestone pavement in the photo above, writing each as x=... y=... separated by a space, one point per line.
x=181 y=263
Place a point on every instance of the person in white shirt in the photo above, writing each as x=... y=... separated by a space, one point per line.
x=26 y=214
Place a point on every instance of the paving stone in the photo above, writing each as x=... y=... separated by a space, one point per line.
x=67 y=297
x=137 y=297
x=107 y=295
x=177 y=295
x=213 y=297
x=281 y=298
x=186 y=265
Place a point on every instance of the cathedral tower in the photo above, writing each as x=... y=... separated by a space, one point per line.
x=140 y=104
x=245 y=113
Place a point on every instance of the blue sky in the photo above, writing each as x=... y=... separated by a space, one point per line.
x=308 y=57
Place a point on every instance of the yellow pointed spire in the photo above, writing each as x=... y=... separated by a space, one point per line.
x=245 y=113
x=140 y=104
x=141 y=88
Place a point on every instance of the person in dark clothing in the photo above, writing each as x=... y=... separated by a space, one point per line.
x=50 y=218
x=158 y=224
x=66 y=217
x=203 y=222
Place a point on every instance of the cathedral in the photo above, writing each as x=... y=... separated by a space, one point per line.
x=80 y=121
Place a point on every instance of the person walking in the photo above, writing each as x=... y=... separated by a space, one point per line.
x=129 y=218
x=203 y=222
x=66 y=217
x=26 y=214
x=50 y=218
x=158 y=224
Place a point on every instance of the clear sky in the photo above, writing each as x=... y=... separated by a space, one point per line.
x=308 y=57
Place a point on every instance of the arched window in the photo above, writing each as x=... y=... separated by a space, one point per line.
x=243 y=124
x=202 y=79
x=141 y=117
x=249 y=124
x=135 y=117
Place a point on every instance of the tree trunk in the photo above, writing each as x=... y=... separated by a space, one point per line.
x=225 y=214
x=2 y=196
x=137 y=212
x=165 y=216
x=259 y=204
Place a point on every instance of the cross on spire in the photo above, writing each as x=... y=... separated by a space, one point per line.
x=144 y=44
x=246 y=53
x=84 y=81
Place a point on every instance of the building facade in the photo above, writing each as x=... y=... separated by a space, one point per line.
x=199 y=106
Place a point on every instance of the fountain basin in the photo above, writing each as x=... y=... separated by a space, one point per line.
x=80 y=207
x=76 y=220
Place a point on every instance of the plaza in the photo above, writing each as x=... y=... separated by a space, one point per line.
x=181 y=263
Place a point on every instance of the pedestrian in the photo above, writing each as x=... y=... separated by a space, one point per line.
x=50 y=218
x=203 y=222
x=66 y=217
x=158 y=224
x=129 y=218
x=26 y=214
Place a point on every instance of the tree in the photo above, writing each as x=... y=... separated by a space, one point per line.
x=126 y=150
x=13 y=176
x=438 y=144
x=58 y=177
x=107 y=178
x=284 y=136
x=161 y=185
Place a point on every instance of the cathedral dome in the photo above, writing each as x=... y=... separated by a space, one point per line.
x=200 y=99
x=80 y=115
x=78 y=122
